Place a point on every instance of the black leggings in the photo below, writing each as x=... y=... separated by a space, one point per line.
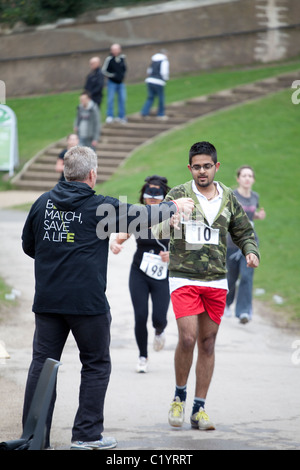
x=141 y=286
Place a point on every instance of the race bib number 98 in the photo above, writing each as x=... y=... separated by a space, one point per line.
x=154 y=267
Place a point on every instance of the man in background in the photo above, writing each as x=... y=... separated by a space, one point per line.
x=114 y=68
x=95 y=81
x=158 y=74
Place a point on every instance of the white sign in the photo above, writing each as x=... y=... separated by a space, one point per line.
x=9 y=152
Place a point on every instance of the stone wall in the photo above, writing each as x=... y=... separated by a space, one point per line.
x=199 y=35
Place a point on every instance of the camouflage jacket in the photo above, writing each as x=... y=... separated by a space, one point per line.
x=207 y=261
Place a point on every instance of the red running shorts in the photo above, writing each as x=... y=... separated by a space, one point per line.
x=193 y=300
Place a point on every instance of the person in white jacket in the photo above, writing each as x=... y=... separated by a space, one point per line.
x=158 y=74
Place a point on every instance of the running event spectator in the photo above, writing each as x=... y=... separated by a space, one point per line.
x=114 y=68
x=72 y=141
x=87 y=123
x=95 y=81
x=158 y=74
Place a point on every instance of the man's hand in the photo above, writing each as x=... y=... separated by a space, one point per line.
x=252 y=260
x=175 y=221
x=185 y=204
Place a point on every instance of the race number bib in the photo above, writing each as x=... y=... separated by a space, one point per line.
x=154 y=267
x=199 y=233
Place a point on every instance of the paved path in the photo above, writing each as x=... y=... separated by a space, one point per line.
x=253 y=399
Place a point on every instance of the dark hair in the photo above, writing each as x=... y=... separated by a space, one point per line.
x=160 y=181
x=203 y=148
x=245 y=167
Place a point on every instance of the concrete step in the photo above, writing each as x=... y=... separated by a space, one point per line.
x=119 y=140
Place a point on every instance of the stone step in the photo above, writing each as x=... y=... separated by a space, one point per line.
x=119 y=140
x=46 y=185
x=54 y=176
x=46 y=166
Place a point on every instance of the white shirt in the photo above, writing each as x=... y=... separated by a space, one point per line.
x=210 y=209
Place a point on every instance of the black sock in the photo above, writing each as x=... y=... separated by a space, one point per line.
x=180 y=392
x=198 y=403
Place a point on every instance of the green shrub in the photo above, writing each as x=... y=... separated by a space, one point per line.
x=35 y=12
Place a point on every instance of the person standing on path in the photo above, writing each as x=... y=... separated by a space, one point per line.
x=236 y=263
x=115 y=68
x=95 y=81
x=72 y=141
x=148 y=276
x=87 y=123
x=67 y=234
x=158 y=75
x=197 y=275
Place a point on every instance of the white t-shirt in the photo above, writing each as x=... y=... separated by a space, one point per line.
x=210 y=209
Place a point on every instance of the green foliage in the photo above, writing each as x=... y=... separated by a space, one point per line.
x=35 y=12
x=27 y=11
x=53 y=9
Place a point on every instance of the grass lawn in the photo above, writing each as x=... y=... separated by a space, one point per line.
x=47 y=118
x=264 y=134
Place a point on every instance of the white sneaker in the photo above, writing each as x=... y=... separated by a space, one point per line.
x=104 y=443
x=176 y=413
x=162 y=118
x=227 y=312
x=142 y=365
x=159 y=341
x=109 y=120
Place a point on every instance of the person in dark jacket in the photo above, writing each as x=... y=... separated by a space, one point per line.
x=67 y=234
x=95 y=81
x=114 y=68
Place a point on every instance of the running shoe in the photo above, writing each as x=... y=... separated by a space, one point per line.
x=200 y=420
x=244 y=318
x=142 y=365
x=102 y=444
x=176 y=413
x=159 y=341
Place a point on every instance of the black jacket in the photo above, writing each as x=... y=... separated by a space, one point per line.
x=67 y=233
x=94 y=85
x=115 y=68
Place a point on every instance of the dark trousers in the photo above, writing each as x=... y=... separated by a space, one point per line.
x=92 y=335
x=141 y=287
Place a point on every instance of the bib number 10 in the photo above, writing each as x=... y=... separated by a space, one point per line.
x=201 y=234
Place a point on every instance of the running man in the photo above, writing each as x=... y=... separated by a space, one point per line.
x=197 y=275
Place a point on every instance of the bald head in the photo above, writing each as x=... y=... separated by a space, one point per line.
x=115 y=49
x=95 y=63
